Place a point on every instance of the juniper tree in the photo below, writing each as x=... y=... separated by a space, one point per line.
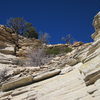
x=20 y=26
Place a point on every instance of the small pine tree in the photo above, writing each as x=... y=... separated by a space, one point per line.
x=20 y=26
x=30 y=31
x=17 y=24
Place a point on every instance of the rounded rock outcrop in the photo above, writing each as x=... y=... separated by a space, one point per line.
x=96 y=24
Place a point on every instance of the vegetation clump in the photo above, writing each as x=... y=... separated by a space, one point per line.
x=3 y=74
x=19 y=26
x=37 y=57
x=22 y=27
x=57 y=50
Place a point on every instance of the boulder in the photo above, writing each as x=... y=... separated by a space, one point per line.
x=90 y=65
x=46 y=75
x=17 y=83
x=71 y=61
x=93 y=79
x=17 y=71
x=91 y=89
x=92 y=74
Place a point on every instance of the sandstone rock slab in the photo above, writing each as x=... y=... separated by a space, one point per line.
x=17 y=83
x=46 y=75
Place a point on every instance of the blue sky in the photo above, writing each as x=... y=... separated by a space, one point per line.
x=55 y=17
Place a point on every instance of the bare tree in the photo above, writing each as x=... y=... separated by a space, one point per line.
x=68 y=38
x=44 y=37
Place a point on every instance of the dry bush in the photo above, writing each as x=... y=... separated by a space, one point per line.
x=44 y=38
x=3 y=74
x=19 y=62
x=37 y=57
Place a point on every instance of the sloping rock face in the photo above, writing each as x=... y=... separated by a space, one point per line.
x=7 y=44
x=8 y=39
x=77 y=76
x=91 y=66
x=96 y=24
x=26 y=44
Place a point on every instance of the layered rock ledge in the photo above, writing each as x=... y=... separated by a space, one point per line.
x=71 y=76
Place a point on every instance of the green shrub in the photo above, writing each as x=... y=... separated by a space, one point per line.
x=66 y=50
x=57 y=50
x=54 y=51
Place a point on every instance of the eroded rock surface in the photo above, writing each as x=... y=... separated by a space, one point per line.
x=96 y=24
x=71 y=76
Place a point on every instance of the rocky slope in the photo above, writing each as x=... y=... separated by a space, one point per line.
x=77 y=74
